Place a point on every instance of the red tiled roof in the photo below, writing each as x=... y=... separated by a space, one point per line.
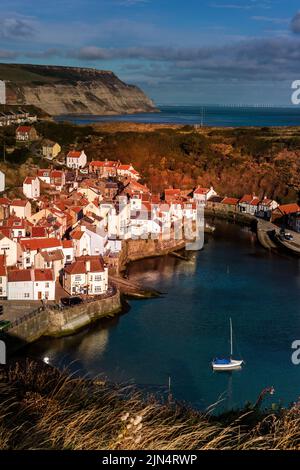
x=33 y=244
x=107 y=163
x=29 y=179
x=289 y=208
x=74 y=154
x=79 y=266
x=5 y=231
x=172 y=191
x=24 y=129
x=201 y=190
x=246 y=198
x=23 y=275
x=43 y=275
x=38 y=232
x=77 y=234
x=67 y=244
x=44 y=173
x=19 y=203
x=232 y=201
x=19 y=275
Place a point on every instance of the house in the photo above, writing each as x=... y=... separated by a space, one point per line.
x=30 y=284
x=29 y=247
x=266 y=207
x=287 y=215
x=201 y=195
x=50 y=149
x=3 y=277
x=53 y=260
x=68 y=251
x=76 y=159
x=20 y=208
x=104 y=169
x=87 y=275
x=26 y=134
x=8 y=248
x=31 y=187
x=15 y=225
x=229 y=204
x=128 y=171
x=248 y=204
x=54 y=178
x=81 y=242
x=2 y=181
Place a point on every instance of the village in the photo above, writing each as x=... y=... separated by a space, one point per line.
x=65 y=235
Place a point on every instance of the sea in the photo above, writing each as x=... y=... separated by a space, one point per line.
x=210 y=116
x=171 y=340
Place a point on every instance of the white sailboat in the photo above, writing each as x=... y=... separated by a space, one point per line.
x=227 y=364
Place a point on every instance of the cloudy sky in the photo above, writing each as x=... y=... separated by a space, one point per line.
x=178 y=51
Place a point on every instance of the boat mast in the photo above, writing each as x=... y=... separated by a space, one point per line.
x=231 y=345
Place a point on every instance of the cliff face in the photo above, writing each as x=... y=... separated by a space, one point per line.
x=70 y=90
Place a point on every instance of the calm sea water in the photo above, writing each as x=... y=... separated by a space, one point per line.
x=210 y=115
x=179 y=334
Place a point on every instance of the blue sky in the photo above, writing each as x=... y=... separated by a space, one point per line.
x=178 y=51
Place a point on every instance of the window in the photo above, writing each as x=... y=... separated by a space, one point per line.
x=68 y=257
x=97 y=289
x=98 y=277
x=78 y=278
x=27 y=260
x=26 y=295
x=47 y=285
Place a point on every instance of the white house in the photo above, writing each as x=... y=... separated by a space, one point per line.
x=31 y=284
x=76 y=159
x=81 y=242
x=31 y=187
x=266 y=207
x=2 y=181
x=29 y=247
x=8 y=248
x=20 y=208
x=68 y=251
x=128 y=171
x=202 y=195
x=248 y=204
x=87 y=275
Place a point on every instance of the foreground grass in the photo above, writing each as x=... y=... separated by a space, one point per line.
x=41 y=408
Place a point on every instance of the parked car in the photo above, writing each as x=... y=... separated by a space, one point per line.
x=70 y=301
x=288 y=236
x=4 y=325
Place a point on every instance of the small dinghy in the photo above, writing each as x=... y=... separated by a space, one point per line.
x=227 y=364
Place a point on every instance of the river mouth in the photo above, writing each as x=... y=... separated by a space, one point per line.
x=178 y=335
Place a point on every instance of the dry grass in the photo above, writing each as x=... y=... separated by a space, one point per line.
x=43 y=409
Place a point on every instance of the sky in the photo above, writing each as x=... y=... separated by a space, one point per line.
x=178 y=51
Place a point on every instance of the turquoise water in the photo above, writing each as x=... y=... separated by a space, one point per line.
x=179 y=334
x=211 y=116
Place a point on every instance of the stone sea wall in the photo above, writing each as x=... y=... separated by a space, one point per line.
x=55 y=322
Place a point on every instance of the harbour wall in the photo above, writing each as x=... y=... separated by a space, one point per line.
x=60 y=322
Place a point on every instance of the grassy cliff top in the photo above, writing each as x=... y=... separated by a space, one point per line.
x=28 y=73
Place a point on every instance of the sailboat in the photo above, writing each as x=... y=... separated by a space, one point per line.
x=223 y=364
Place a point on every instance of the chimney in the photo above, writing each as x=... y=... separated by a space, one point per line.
x=88 y=266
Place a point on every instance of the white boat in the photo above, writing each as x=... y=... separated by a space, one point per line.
x=227 y=364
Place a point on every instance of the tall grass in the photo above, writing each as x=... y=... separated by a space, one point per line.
x=41 y=408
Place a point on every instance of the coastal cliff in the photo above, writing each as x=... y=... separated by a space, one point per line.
x=72 y=90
